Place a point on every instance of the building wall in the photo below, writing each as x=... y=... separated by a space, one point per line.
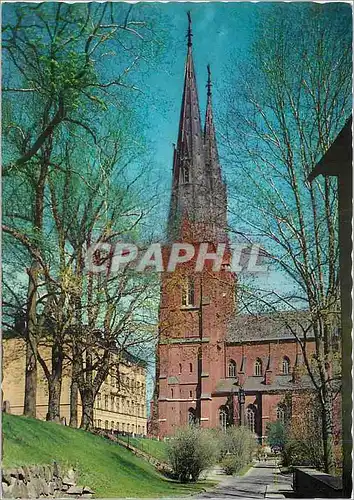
x=125 y=395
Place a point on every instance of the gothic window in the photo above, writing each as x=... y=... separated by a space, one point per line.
x=286 y=365
x=281 y=414
x=112 y=403
x=251 y=418
x=185 y=171
x=106 y=402
x=258 y=367
x=191 y=416
x=223 y=417
x=188 y=292
x=190 y=367
x=232 y=369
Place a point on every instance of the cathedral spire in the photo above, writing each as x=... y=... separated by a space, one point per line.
x=189 y=185
x=212 y=164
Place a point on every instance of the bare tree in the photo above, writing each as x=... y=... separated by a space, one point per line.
x=284 y=109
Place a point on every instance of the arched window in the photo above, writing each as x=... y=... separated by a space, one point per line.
x=190 y=367
x=112 y=425
x=258 y=367
x=106 y=425
x=286 y=366
x=99 y=423
x=223 y=417
x=185 y=171
x=191 y=416
x=180 y=368
x=172 y=393
x=188 y=292
x=281 y=414
x=232 y=369
x=251 y=418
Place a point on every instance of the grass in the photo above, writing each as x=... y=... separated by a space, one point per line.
x=109 y=469
x=156 y=449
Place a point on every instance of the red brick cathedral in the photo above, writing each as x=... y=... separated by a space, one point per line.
x=213 y=366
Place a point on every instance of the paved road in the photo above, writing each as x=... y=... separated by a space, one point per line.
x=262 y=481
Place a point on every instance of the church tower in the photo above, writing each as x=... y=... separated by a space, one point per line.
x=195 y=306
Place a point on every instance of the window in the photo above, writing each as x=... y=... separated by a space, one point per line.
x=185 y=171
x=123 y=427
x=95 y=424
x=112 y=403
x=180 y=368
x=106 y=425
x=190 y=394
x=286 y=366
x=98 y=400
x=133 y=428
x=128 y=427
x=281 y=414
x=258 y=367
x=251 y=418
x=223 y=414
x=191 y=416
x=232 y=368
x=117 y=426
x=172 y=393
x=188 y=292
x=112 y=425
x=99 y=423
x=139 y=429
x=106 y=402
x=190 y=367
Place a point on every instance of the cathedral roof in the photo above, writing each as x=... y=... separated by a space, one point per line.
x=257 y=384
x=269 y=327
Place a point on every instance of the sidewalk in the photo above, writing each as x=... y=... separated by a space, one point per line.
x=262 y=481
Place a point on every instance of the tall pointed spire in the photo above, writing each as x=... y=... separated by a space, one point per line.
x=218 y=186
x=190 y=188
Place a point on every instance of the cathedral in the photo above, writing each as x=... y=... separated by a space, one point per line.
x=214 y=367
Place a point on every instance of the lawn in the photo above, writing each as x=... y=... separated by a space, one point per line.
x=109 y=469
x=156 y=449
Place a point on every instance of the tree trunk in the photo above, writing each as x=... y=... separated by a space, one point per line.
x=327 y=433
x=87 y=400
x=54 y=387
x=74 y=391
x=29 y=406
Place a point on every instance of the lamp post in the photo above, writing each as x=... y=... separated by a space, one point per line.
x=241 y=402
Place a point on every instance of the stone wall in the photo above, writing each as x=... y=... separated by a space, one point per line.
x=40 y=481
x=311 y=483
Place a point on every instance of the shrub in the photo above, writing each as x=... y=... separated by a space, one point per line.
x=238 y=446
x=191 y=451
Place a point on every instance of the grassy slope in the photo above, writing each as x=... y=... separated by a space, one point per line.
x=156 y=449
x=109 y=469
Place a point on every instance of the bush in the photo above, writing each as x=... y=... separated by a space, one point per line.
x=191 y=451
x=237 y=448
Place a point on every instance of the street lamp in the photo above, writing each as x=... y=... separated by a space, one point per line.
x=241 y=401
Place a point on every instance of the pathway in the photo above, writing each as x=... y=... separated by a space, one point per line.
x=262 y=481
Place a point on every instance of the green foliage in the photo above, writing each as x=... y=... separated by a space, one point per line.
x=238 y=445
x=276 y=434
x=190 y=451
x=109 y=469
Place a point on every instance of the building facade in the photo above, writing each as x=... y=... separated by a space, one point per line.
x=120 y=405
x=214 y=366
